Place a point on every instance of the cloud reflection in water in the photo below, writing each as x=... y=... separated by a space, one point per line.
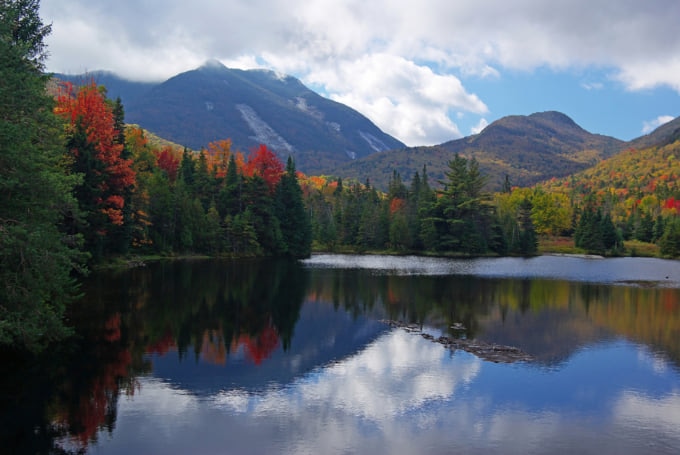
x=400 y=395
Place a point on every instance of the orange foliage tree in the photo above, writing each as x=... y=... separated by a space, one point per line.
x=92 y=140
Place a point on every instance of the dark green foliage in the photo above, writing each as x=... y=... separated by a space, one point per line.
x=120 y=237
x=262 y=207
x=525 y=242
x=411 y=218
x=669 y=243
x=462 y=216
x=659 y=228
x=645 y=229
x=229 y=198
x=596 y=232
x=292 y=215
x=36 y=259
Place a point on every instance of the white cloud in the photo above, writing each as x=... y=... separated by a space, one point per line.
x=483 y=123
x=592 y=85
x=408 y=101
x=397 y=61
x=651 y=125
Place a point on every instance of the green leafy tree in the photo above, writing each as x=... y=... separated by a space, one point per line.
x=36 y=259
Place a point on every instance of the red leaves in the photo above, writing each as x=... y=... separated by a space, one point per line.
x=672 y=204
x=266 y=164
x=262 y=346
x=168 y=160
x=88 y=112
x=397 y=205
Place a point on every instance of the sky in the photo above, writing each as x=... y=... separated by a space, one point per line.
x=424 y=71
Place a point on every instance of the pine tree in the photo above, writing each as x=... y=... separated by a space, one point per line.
x=294 y=220
x=645 y=229
x=36 y=259
x=527 y=242
x=461 y=218
x=669 y=243
x=121 y=235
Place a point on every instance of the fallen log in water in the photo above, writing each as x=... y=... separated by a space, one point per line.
x=486 y=351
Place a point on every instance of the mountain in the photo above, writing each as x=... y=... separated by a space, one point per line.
x=663 y=135
x=527 y=149
x=251 y=107
x=631 y=174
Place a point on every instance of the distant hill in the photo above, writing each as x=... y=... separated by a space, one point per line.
x=526 y=148
x=632 y=173
x=663 y=135
x=251 y=107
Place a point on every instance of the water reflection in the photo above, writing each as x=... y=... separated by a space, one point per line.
x=403 y=395
x=265 y=356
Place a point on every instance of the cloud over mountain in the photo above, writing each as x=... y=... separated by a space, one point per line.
x=407 y=65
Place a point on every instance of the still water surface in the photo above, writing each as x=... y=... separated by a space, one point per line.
x=210 y=357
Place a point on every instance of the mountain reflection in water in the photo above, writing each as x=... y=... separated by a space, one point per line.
x=267 y=356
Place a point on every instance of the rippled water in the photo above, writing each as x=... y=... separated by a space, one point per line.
x=247 y=357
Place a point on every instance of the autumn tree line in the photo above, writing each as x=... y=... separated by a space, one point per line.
x=457 y=216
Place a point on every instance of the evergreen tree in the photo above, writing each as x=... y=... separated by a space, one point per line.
x=204 y=183
x=292 y=214
x=527 y=242
x=230 y=195
x=261 y=204
x=461 y=218
x=121 y=235
x=669 y=243
x=610 y=237
x=187 y=167
x=36 y=259
x=659 y=228
x=645 y=229
x=588 y=233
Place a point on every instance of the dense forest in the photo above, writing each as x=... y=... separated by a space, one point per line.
x=79 y=187
x=633 y=196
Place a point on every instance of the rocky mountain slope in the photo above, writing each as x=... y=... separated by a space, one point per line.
x=250 y=107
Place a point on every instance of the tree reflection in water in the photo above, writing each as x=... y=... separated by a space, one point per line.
x=216 y=312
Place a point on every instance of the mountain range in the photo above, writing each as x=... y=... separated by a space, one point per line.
x=251 y=107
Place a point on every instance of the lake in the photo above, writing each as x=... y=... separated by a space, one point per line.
x=343 y=354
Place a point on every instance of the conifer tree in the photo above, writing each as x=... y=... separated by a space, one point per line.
x=669 y=243
x=527 y=242
x=36 y=259
x=292 y=215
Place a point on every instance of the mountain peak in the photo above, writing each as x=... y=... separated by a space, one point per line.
x=212 y=64
x=554 y=117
